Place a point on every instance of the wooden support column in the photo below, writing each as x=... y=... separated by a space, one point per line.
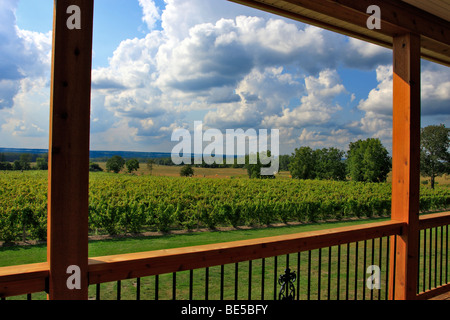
x=406 y=164
x=67 y=225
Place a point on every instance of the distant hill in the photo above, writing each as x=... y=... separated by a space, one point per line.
x=128 y=154
x=92 y=154
x=19 y=150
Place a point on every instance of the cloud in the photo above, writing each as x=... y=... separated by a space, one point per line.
x=199 y=64
x=242 y=71
x=22 y=123
x=364 y=55
x=261 y=93
x=225 y=64
x=180 y=16
x=35 y=58
x=435 y=93
x=316 y=107
x=336 y=138
x=8 y=90
x=16 y=55
x=150 y=13
x=378 y=106
x=131 y=66
x=229 y=67
x=24 y=81
x=435 y=90
x=379 y=100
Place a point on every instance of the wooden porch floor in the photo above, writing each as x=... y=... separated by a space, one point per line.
x=445 y=296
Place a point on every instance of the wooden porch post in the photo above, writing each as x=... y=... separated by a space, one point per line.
x=67 y=225
x=406 y=164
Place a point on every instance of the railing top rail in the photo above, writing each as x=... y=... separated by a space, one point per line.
x=434 y=220
x=25 y=271
x=134 y=265
x=23 y=279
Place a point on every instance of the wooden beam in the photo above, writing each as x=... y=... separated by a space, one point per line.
x=432 y=293
x=398 y=16
x=23 y=279
x=434 y=220
x=353 y=12
x=329 y=23
x=349 y=17
x=67 y=223
x=406 y=164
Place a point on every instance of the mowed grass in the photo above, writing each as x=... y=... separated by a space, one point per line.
x=16 y=255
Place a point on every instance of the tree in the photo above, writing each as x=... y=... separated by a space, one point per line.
x=115 y=164
x=187 y=171
x=303 y=162
x=253 y=164
x=94 y=167
x=368 y=160
x=329 y=164
x=5 y=166
x=285 y=159
x=132 y=165
x=434 y=155
x=17 y=165
x=323 y=164
x=41 y=164
x=150 y=163
x=25 y=160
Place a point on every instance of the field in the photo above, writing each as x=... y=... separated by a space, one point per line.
x=174 y=171
x=135 y=203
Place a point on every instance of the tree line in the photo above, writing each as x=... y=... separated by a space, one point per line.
x=24 y=162
x=366 y=160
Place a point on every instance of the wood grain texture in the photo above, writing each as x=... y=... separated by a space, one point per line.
x=67 y=226
x=406 y=164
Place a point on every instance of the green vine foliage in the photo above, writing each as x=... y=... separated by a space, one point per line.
x=123 y=204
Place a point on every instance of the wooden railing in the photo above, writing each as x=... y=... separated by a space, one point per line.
x=433 y=277
x=28 y=279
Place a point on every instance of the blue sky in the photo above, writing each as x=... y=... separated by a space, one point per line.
x=161 y=65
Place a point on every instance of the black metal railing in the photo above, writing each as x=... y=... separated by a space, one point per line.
x=433 y=258
x=334 y=273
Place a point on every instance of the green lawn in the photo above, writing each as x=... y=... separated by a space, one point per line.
x=38 y=253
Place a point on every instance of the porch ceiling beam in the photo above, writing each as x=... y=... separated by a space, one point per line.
x=349 y=17
x=398 y=17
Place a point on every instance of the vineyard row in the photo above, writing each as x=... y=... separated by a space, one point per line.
x=120 y=204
